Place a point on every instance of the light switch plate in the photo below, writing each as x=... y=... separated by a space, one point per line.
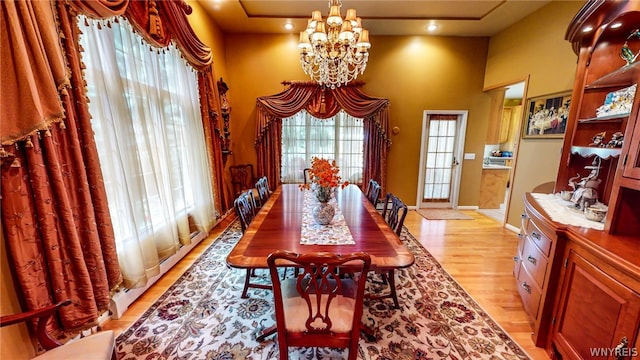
x=470 y=156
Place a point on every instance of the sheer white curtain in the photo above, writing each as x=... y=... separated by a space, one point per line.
x=340 y=138
x=146 y=117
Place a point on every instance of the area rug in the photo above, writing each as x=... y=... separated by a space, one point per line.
x=443 y=214
x=202 y=316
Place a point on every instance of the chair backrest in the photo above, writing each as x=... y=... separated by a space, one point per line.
x=305 y=175
x=262 y=185
x=100 y=345
x=373 y=192
x=245 y=207
x=241 y=177
x=318 y=307
x=394 y=212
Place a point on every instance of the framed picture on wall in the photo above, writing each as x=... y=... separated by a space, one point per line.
x=546 y=116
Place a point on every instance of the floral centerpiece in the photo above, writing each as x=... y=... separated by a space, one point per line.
x=324 y=178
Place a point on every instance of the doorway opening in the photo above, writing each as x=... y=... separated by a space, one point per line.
x=500 y=152
x=442 y=146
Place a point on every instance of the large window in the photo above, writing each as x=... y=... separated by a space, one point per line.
x=148 y=128
x=340 y=138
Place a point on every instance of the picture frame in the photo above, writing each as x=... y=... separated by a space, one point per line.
x=545 y=117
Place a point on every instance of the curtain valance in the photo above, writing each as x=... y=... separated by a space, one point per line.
x=36 y=75
x=322 y=103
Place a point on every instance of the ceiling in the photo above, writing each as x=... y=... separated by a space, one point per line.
x=452 y=17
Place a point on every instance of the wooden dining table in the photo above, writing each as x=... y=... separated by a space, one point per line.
x=278 y=224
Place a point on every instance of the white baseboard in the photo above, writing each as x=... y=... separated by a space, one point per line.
x=467 y=207
x=512 y=228
x=121 y=300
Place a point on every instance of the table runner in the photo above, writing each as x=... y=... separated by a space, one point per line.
x=564 y=212
x=336 y=233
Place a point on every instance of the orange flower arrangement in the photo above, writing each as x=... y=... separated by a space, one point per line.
x=324 y=177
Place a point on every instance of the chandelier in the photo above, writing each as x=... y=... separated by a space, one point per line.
x=336 y=51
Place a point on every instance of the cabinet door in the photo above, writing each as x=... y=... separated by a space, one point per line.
x=632 y=165
x=595 y=312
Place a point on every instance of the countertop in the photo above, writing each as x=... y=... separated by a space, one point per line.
x=495 y=167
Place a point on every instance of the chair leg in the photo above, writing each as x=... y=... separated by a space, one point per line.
x=247 y=279
x=392 y=286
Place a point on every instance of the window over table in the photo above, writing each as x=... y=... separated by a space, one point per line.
x=340 y=137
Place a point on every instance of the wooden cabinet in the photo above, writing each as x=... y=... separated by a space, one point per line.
x=602 y=72
x=495 y=116
x=493 y=185
x=536 y=265
x=598 y=307
x=590 y=295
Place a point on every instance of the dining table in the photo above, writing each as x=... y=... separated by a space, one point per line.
x=284 y=223
x=280 y=224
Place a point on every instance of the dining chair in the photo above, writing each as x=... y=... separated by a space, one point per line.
x=305 y=175
x=242 y=178
x=318 y=307
x=373 y=192
x=246 y=210
x=394 y=213
x=262 y=187
x=101 y=345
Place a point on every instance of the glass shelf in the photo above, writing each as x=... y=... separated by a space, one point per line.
x=624 y=76
x=602 y=119
x=603 y=153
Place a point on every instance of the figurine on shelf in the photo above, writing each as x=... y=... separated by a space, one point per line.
x=585 y=191
x=625 y=53
x=616 y=140
x=598 y=139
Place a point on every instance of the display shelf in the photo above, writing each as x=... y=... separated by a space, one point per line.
x=603 y=119
x=603 y=153
x=622 y=77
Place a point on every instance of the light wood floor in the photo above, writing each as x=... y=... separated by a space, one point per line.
x=478 y=253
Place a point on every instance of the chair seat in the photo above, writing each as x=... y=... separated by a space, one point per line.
x=340 y=311
x=97 y=346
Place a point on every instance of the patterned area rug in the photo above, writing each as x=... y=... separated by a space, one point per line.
x=202 y=316
x=443 y=214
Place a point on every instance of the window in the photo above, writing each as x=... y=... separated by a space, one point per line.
x=340 y=137
x=150 y=139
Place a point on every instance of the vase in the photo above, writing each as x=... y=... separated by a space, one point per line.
x=323 y=213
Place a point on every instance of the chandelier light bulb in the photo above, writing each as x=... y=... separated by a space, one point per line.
x=335 y=52
x=334 y=18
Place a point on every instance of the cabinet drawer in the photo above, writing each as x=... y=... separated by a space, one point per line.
x=542 y=241
x=529 y=292
x=534 y=261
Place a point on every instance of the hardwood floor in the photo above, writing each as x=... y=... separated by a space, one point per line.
x=478 y=253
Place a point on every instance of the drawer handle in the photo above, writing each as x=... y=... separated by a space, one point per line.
x=516 y=258
x=524 y=216
x=535 y=235
x=526 y=287
x=619 y=352
x=519 y=235
x=532 y=259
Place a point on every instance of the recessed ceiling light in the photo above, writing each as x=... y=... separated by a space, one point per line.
x=432 y=27
x=288 y=26
x=616 y=25
x=587 y=29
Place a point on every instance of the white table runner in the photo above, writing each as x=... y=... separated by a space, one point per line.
x=564 y=212
x=335 y=233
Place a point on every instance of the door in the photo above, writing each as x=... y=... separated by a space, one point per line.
x=441 y=150
x=596 y=313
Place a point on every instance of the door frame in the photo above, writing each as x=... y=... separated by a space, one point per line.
x=458 y=154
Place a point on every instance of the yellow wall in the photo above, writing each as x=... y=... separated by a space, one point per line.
x=415 y=73
x=20 y=346
x=535 y=47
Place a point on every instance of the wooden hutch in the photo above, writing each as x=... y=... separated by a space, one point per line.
x=581 y=286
